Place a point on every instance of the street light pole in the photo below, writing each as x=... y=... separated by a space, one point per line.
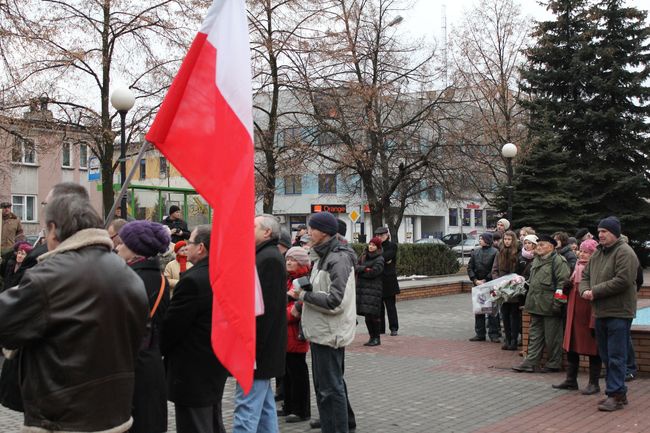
x=122 y=100
x=509 y=151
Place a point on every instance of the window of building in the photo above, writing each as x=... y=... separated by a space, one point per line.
x=435 y=193
x=83 y=155
x=327 y=183
x=163 y=167
x=478 y=217
x=293 y=184
x=143 y=169
x=24 y=206
x=23 y=151
x=453 y=217
x=66 y=155
x=467 y=217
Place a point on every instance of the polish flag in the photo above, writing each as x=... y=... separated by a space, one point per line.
x=205 y=129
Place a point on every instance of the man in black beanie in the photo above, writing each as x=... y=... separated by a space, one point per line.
x=176 y=224
x=609 y=282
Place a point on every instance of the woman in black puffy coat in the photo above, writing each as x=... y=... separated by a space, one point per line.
x=369 y=272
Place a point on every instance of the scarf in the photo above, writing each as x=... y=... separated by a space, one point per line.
x=182 y=262
x=527 y=254
x=577 y=272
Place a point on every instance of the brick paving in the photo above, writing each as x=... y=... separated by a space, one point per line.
x=431 y=379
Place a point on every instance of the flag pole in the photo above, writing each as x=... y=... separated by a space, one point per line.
x=125 y=186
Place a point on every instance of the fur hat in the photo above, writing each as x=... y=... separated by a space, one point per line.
x=299 y=254
x=145 y=238
x=589 y=246
x=325 y=222
x=612 y=225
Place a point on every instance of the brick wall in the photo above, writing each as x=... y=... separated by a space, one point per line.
x=431 y=291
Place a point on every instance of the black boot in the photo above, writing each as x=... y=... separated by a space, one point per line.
x=594 y=375
x=374 y=341
x=571 y=381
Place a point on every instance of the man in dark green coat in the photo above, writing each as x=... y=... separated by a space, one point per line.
x=609 y=282
x=548 y=272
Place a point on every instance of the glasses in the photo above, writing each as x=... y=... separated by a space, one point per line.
x=192 y=243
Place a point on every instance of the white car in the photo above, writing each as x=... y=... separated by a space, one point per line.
x=466 y=247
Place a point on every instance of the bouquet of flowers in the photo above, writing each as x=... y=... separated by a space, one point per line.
x=490 y=295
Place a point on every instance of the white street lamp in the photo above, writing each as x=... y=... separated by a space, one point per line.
x=509 y=151
x=122 y=100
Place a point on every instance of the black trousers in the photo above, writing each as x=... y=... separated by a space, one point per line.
x=373 y=323
x=388 y=305
x=206 y=419
x=317 y=348
x=296 y=386
x=511 y=321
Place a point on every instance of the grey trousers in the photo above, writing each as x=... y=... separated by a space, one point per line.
x=206 y=419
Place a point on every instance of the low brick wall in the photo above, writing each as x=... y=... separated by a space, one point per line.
x=433 y=290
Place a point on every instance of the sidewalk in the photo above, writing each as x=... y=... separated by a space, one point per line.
x=431 y=379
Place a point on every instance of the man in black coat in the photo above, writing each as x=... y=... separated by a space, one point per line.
x=256 y=411
x=479 y=270
x=389 y=282
x=176 y=224
x=195 y=377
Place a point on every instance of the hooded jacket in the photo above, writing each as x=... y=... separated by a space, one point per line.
x=329 y=312
x=79 y=332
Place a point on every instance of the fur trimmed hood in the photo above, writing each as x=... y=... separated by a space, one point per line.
x=81 y=239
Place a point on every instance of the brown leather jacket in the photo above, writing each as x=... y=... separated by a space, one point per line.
x=78 y=318
x=12 y=231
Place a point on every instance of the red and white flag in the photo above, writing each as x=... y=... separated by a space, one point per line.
x=205 y=129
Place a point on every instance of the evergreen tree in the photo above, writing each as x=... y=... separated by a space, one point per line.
x=615 y=170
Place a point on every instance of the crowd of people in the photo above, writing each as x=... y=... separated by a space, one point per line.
x=121 y=319
x=581 y=298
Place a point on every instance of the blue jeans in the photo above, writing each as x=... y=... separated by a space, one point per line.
x=255 y=412
x=613 y=335
x=327 y=371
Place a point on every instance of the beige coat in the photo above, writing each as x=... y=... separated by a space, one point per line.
x=173 y=273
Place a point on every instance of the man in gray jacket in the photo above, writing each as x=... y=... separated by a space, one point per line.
x=329 y=318
x=609 y=282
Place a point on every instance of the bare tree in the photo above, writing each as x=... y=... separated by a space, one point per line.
x=71 y=51
x=486 y=58
x=369 y=100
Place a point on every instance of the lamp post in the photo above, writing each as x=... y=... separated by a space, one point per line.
x=122 y=100
x=509 y=151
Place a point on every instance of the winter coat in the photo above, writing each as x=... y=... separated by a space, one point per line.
x=271 y=327
x=570 y=257
x=390 y=285
x=480 y=263
x=79 y=318
x=611 y=276
x=12 y=276
x=173 y=273
x=369 y=272
x=329 y=314
x=500 y=271
x=150 y=395
x=294 y=343
x=578 y=333
x=180 y=225
x=541 y=289
x=12 y=231
x=524 y=265
x=195 y=377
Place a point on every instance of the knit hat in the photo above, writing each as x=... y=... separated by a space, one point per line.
x=23 y=245
x=173 y=208
x=343 y=227
x=324 y=222
x=612 y=225
x=547 y=238
x=581 y=232
x=487 y=237
x=299 y=254
x=589 y=246
x=381 y=230
x=178 y=245
x=285 y=238
x=531 y=238
x=376 y=241
x=505 y=222
x=145 y=238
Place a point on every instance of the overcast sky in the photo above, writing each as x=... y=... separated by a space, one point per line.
x=425 y=18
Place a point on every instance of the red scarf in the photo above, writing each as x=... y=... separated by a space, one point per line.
x=182 y=261
x=300 y=272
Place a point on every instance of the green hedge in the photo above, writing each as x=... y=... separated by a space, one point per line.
x=422 y=259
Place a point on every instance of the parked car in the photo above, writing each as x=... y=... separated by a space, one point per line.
x=430 y=240
x=453 y=239
x=466 y=247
